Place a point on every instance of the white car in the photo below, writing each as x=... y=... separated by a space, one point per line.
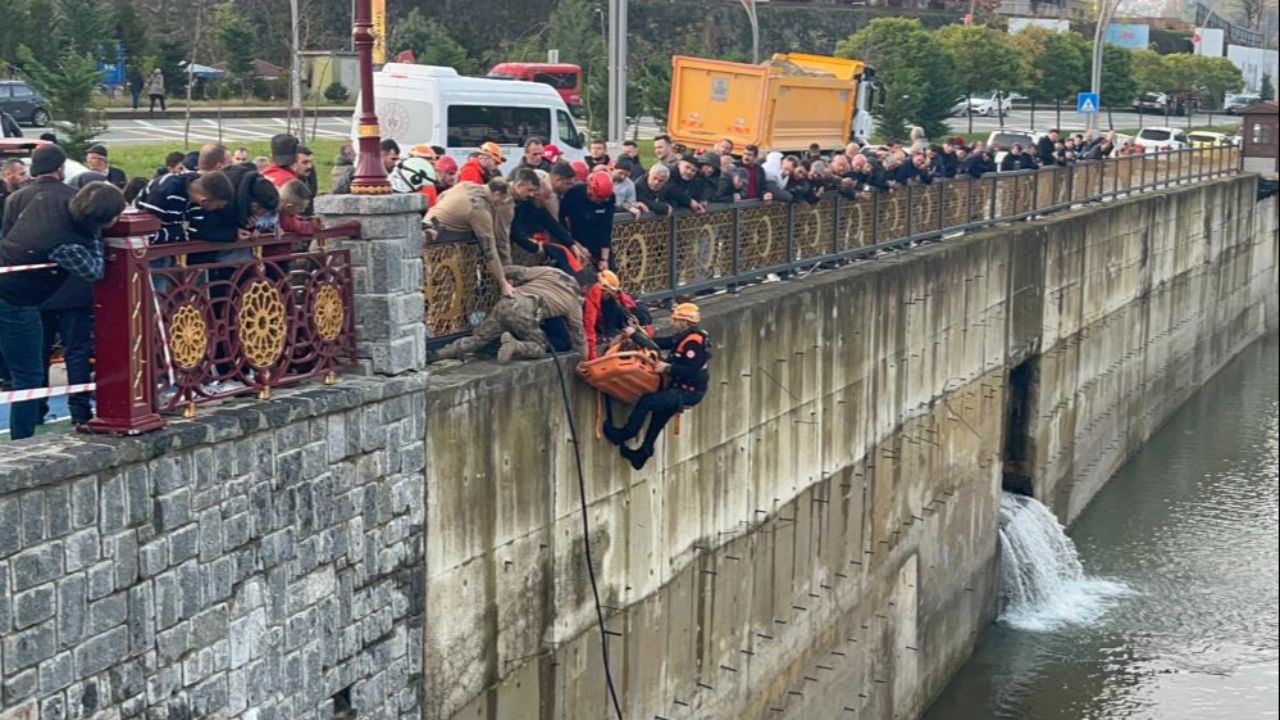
x=1008 y=137
x=986 y=104
x=1154 y=139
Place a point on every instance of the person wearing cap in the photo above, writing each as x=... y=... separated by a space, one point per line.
x=538 y=294
x=684 y=384
x=95 y=159
x=284 y=158
x=587 y=211
x=482 y=165
x=47 y=221
x=532 y=157
x=446 y=173
x=680 y=189
x=711 y=186
x=618 y=310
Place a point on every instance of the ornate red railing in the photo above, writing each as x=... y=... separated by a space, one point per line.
x=186 y=323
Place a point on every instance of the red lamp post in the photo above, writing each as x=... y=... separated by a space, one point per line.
x=370 y=178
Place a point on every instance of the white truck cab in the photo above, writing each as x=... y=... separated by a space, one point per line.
x=437 y=106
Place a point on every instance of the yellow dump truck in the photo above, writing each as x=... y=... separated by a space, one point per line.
x=785 y=103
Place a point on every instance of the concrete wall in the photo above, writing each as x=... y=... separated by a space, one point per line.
x=1139 y=306
x=820 y=536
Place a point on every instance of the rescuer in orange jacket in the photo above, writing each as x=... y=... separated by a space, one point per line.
x=686 y=383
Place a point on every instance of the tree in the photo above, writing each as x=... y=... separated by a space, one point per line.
x=1214 y=77
x=918 y=73
x=1150 y=71
x=430 y=43
x=86 y=26
x=130 y=31
x=1057 y=64
x=1268 y=89
x=983 y=58
x=236 y=36
x=1119 y=85
x=69 y=87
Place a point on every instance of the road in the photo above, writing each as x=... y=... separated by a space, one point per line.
x=125 y=132
x=259 y=129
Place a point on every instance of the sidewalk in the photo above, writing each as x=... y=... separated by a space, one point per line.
x=227 y=113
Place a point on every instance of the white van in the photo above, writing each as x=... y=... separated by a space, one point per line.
x=434 y=105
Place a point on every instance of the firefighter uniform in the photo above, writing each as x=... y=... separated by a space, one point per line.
x=689 y=352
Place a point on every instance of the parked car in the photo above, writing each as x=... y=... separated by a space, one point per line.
x=23 y=147
x=988 y=104
x=1234 y=101
x=1158 y=103
x=1162 y=138
x=1008 y=137
x=1204 y=139
x=23 y=103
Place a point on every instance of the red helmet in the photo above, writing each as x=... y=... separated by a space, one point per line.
x=599 y=185
x=446 y=164
x=551 y=152
x=580 y=169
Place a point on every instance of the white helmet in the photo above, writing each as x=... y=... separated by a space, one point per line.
x=412 y=174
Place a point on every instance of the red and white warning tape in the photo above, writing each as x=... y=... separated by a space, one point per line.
x=13 y=396
x=20 y=268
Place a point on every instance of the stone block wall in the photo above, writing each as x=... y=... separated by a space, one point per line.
x=257 y=562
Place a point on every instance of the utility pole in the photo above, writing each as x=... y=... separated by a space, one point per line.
x=295 y=76
x=617 y=126
x=1106 y=11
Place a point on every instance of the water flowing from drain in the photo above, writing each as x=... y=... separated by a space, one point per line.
x=1042 y=584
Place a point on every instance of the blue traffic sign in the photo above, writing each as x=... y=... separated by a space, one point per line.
x=1087 y=102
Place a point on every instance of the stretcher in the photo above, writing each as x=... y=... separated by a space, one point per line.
x=621 y=374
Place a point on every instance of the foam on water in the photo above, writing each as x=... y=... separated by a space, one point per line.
x=1042 y=584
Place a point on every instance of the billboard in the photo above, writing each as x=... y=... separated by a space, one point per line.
x=1135 y=36
x=1209 y=41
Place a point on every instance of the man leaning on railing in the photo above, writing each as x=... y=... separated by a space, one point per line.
x=50 y=225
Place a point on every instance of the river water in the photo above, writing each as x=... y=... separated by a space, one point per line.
x=1181 y=547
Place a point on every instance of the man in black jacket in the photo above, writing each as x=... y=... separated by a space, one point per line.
x=95 y=158
x=680 y=188
x=1046 y=147
x=531 y=158
x=651 y=191
x=46 y=222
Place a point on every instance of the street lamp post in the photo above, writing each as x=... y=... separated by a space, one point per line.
x=1106 y=11
x=369 y=178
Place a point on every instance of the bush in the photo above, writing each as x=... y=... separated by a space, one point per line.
x=336 y=93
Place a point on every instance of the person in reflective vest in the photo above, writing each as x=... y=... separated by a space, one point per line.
x=686 y=378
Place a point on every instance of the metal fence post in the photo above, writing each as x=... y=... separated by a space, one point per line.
x=735 y=250
x=910 y=209
x=791 y=233
x=942 y=204
x=673 y=276
x=835 y=225
x=1071 y=186
x=875 y=217
x=995 y=190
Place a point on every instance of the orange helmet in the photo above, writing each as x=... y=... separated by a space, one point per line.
x=423 y=150
x=608 y=280
x=493 y=150
x=599 y=185
x=688 y=312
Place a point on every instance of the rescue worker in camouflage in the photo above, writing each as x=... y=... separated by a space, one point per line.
x=538 y=294
x=483 y=213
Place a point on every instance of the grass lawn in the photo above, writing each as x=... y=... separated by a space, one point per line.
x=143 y=160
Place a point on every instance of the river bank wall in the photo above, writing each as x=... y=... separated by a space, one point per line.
x=819 y=541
